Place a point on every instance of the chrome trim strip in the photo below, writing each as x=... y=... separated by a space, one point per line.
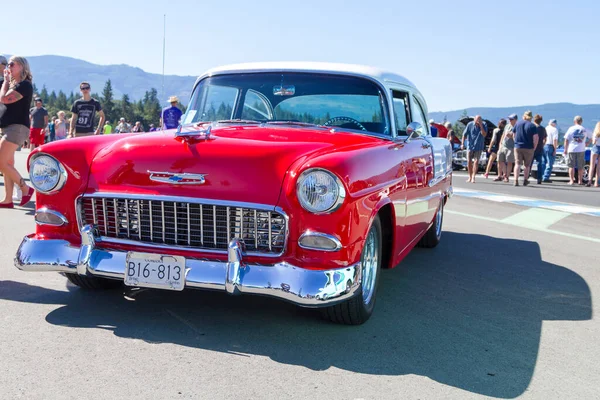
x=46 y=210
x=228 y=225
x=439 y=179
x=302 y=286
x=193 y=200
x=270 y=234
x=319 y=234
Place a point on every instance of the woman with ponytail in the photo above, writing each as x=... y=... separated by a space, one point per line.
x=16 y=93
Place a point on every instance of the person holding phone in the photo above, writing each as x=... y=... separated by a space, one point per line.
x=84 y=111
x=16 y=94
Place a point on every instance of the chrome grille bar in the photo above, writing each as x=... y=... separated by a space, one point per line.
x=116 y=217
x=228 y=226
x=188 y=224
x=270 y=233
x=105 y=216
x=215 y=224
x=255 y=230
x=151 y=221
x=127 y=216
x=201 y=225
x=139 y=224
x=94 y=214
x=175 y=215
x=164 y=227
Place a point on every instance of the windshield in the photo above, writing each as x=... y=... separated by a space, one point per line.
x=349 y=103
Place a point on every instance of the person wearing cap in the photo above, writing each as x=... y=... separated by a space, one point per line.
x=84 y=111
x=38 y=116
x=575 y=141
x=171 y=115
x=475 y=133
x=433 y=129
x=549 y=154
x=526 y=140
x=123 y=126
x=506 y=154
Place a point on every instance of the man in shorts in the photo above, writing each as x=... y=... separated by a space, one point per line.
x=39 y=121
x=475 y=134
x=84 y=111
x=526 y=140
x=575 y=141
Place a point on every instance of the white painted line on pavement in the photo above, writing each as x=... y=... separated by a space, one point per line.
x=534 y=227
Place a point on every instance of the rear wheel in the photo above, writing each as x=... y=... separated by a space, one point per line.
x=93 y=283
x=434 y=234
x=357 y=310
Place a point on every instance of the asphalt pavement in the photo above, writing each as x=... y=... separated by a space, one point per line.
x=502 y=308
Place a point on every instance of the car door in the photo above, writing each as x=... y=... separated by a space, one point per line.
x=411 y=157
x=419 y=158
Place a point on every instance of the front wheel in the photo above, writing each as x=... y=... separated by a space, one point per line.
x=434 y=234
x=358 y=310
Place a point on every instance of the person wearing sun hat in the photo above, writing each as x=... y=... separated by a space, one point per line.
x=171 y=115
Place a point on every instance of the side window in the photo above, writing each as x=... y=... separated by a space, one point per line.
x=256 y=107
x=400 y=100
x=419 y=116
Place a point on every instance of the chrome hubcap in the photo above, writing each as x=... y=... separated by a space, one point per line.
x=370 y=260
x=438 y=221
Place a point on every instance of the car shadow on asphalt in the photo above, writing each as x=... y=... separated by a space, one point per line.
x=467 y=314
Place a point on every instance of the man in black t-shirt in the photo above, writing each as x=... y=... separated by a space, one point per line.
x=84 y=111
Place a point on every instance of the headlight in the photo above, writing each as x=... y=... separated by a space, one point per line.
x=319 y=191
x=47 y=174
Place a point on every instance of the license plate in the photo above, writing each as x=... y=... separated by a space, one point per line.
x=154 y=271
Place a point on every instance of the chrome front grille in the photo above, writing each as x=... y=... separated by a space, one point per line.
x=194 y=225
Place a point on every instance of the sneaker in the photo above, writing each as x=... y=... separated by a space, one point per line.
x=547 y=181
x=526 y=182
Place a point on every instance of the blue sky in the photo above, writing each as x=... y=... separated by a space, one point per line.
x=459 y=53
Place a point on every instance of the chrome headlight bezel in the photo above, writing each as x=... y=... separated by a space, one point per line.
x=334 y=204
x=61 y=173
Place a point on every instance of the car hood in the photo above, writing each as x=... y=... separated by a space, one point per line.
x=239 y=163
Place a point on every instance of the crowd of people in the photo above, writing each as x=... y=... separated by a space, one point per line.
x=515 y=145
x=22 y=124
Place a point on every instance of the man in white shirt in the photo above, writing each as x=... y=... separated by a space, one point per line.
x=575 y=141
x=549 y=154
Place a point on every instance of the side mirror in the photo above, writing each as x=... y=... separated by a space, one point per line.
x=414 y=130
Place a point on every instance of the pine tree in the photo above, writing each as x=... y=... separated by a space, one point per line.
x=44 y=94
x=126 y=109
x=108 y=104
x=61 y=101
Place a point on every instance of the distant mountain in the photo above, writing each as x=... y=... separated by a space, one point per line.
x=562 y=112
x=65 y=73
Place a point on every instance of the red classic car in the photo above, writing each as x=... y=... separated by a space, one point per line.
x=298 y=181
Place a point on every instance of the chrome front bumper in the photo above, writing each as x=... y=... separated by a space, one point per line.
x=307 y=288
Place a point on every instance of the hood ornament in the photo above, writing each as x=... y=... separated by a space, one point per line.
x=177 y=179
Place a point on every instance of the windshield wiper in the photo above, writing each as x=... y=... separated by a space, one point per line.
x=238 y=121
x=291 y=123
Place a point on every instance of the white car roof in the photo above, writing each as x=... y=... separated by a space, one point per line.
x=385 y=78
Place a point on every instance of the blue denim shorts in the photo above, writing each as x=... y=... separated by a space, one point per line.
x=595 y=149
